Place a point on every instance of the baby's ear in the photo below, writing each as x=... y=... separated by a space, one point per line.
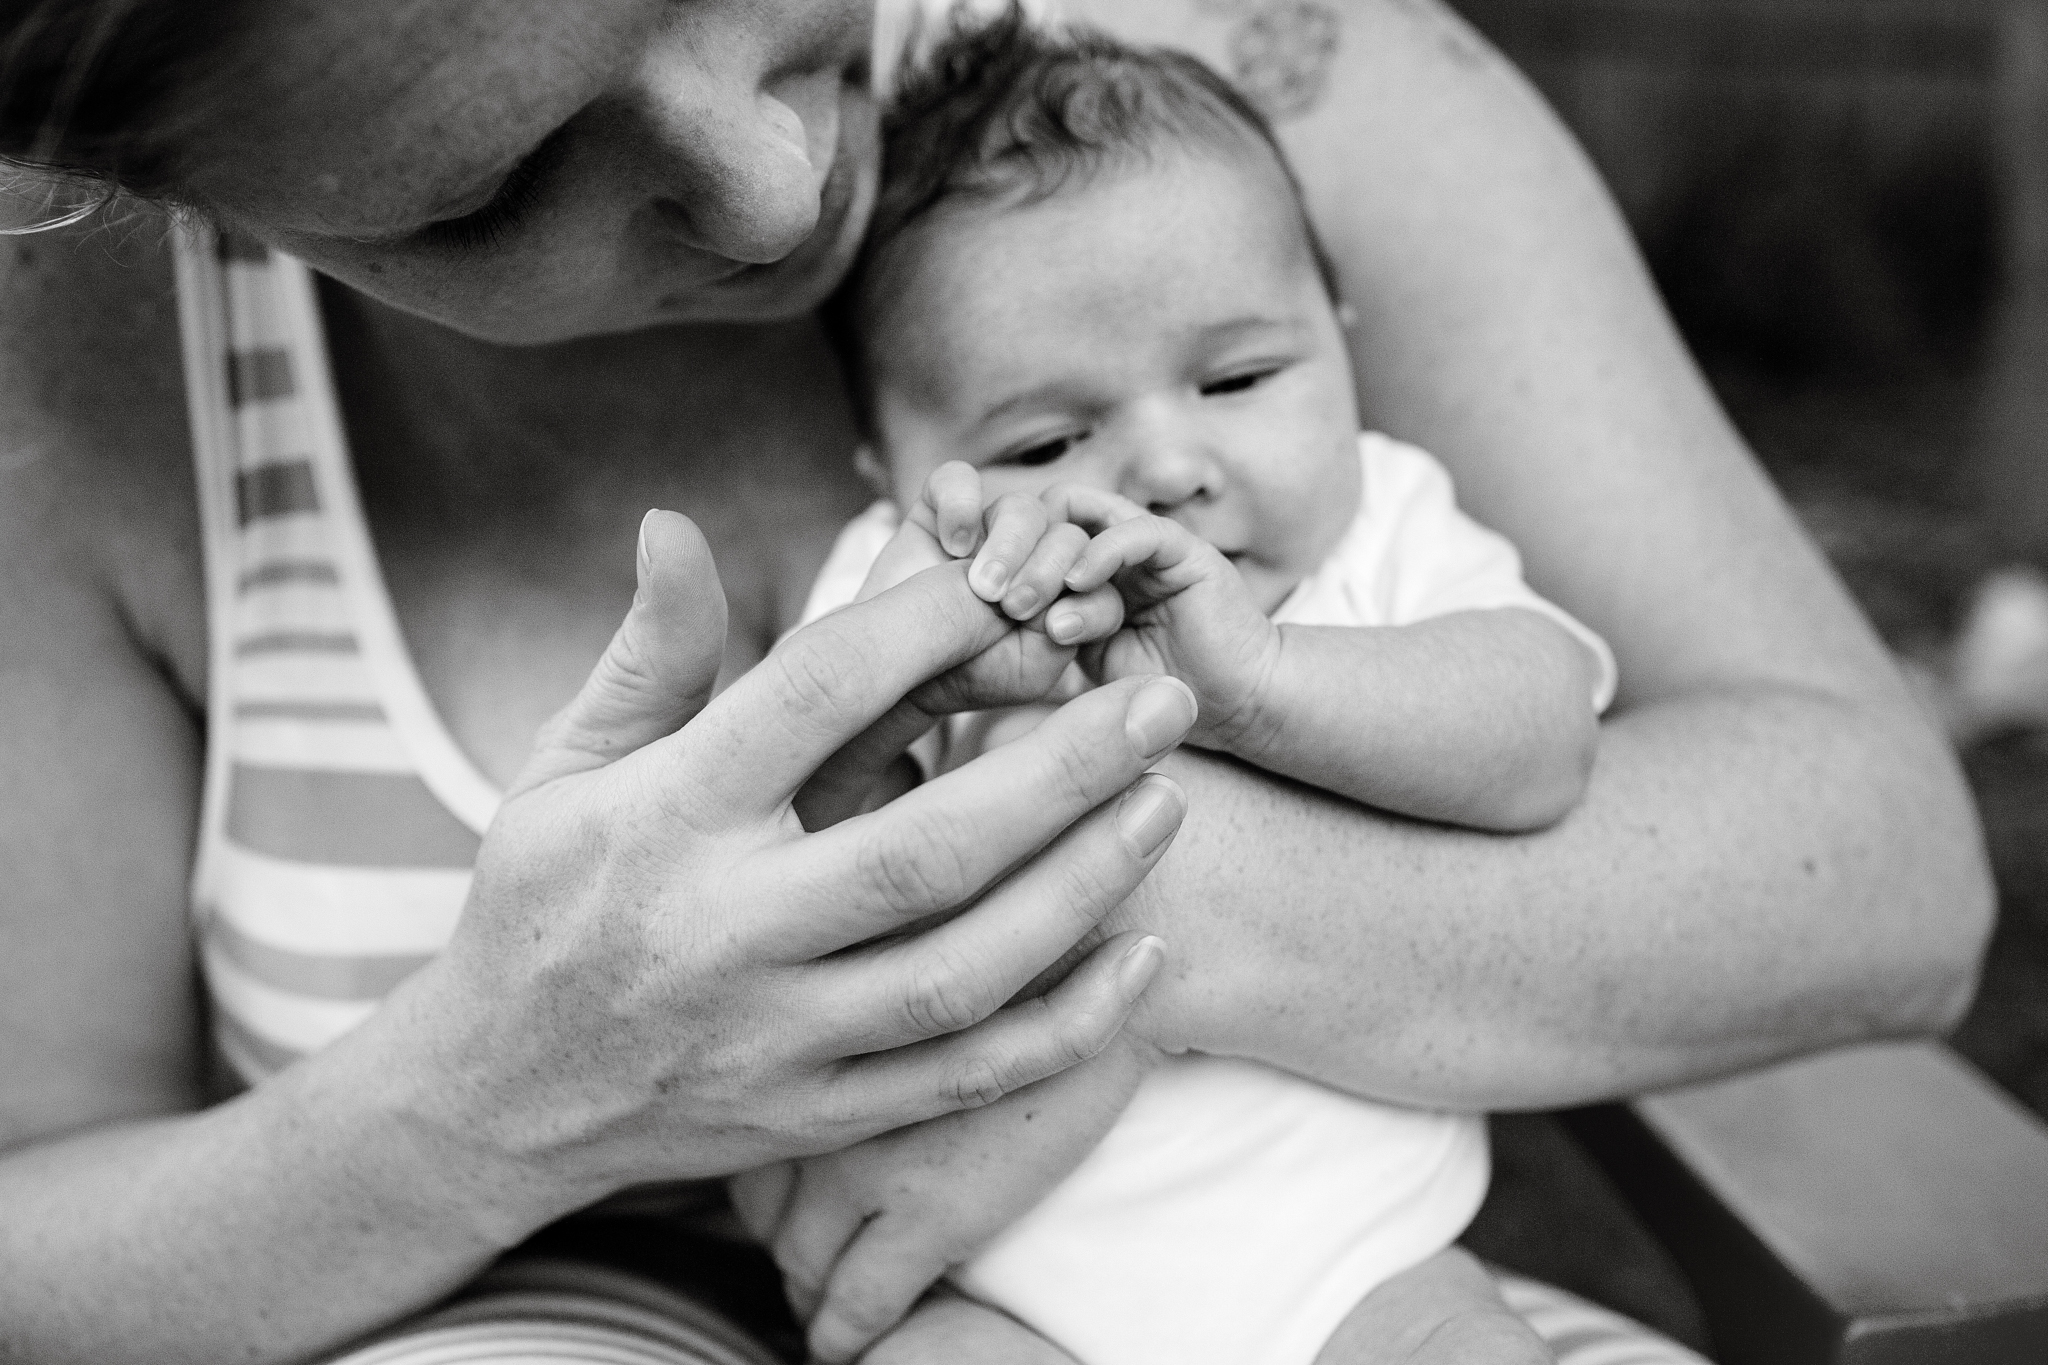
x=872 y=471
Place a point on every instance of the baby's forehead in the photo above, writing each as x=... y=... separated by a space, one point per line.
x=956 y=251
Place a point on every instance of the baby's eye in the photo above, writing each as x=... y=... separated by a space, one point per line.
x=1238 y=383
x=1045 y=452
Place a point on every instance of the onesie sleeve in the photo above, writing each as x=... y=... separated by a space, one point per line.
x=859 y=544
x=1422 y=556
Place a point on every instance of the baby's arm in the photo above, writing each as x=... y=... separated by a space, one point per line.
x=1476 y=718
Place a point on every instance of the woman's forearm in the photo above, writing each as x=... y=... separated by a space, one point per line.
x=1754 y=872
x=326 y=1203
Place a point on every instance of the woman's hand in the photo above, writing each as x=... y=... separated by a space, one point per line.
x=861 y=1234
x=661 y=975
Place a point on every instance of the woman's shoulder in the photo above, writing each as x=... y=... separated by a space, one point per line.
x=96 y=488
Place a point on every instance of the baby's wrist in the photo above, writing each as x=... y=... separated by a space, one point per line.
x=1241 y=711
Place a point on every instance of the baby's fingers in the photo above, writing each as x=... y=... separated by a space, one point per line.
x=1091 y=508
x=1126 y=545
x=1083 y=618
x=951 y=504
x=1015 y=525
x=878 y=1280
x=1041 y=577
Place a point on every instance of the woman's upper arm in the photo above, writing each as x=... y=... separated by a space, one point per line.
x=1506 y=324
x=1777 y=851
x=101 y=651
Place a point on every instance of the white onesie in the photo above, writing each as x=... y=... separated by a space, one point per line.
x=1236 y=1213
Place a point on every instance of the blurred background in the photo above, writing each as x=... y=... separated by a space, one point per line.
x=1845 y=203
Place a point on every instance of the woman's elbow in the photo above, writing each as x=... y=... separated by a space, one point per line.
x=1937 y=884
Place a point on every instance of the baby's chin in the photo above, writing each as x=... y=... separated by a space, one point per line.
x=1270 y=585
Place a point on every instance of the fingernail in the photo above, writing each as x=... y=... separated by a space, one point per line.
x=989 y=578
x=1140 y=966
x=1021 y=603
x=1064 y=627
x=1160 y=714
x=960 y=544
x=1150 y=813
x=640 y=556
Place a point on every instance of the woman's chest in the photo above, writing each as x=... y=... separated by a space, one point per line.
x=508 y=580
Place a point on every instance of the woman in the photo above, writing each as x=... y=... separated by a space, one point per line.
x=1776 y=855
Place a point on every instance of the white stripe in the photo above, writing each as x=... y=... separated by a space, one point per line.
x=304 y=678
x=331 y=746
x=296 y=535
x=298 y=1022
x=522 y=1342
x=345 y=911
x=254 y=319
x=290 y=606
x=276 y=429
x=1630 y=1346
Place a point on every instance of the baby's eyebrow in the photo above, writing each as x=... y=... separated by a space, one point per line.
x=1059 y=393
x=1230 y=329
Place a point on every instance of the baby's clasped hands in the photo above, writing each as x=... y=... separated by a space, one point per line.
x=1185 y=609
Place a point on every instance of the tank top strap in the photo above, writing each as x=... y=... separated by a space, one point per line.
x=340 y=820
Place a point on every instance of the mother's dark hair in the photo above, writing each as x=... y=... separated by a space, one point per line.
x=106 y=90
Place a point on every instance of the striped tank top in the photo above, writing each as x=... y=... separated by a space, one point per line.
x=340 y=820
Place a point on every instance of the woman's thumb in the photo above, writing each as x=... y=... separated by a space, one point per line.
x=661 y=664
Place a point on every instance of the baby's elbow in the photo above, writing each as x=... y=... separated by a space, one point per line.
x=1549 y=781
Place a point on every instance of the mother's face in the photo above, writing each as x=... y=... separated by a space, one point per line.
x=527 y=170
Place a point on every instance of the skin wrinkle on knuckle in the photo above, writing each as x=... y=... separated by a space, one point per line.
x=1067 y=771
x=823 y=676
x=944 y=995
x=980 y=1082
x=921 y=869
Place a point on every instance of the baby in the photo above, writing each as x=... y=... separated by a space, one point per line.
x=1097 y=350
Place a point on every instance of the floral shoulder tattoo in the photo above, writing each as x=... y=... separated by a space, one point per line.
x=1281 y=51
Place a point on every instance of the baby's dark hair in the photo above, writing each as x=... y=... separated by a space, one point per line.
x=1006 y=112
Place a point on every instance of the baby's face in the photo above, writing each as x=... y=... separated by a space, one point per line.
x=1159 y=332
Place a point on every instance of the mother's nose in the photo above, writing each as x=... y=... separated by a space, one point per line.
x=738 y=167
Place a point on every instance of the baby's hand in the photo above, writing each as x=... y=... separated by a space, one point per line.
x=1026 y=664
x=1021 y=554
x=1187 y=610
x=861 y=1234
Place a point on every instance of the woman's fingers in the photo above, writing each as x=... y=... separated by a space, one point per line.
x=760 y=1197
x=766 y=734
x=937 y=848
x=813 y=1235
x=661 y=664
x=953 y=976
x=1015 y=524
x=1018 y=1046
x=885 y=1268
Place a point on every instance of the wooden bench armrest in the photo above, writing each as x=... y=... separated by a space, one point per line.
x=1874 y=1206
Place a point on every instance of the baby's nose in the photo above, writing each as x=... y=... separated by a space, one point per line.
x=1168 y=473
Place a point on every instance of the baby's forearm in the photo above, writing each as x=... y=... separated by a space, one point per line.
x=1479 y=718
